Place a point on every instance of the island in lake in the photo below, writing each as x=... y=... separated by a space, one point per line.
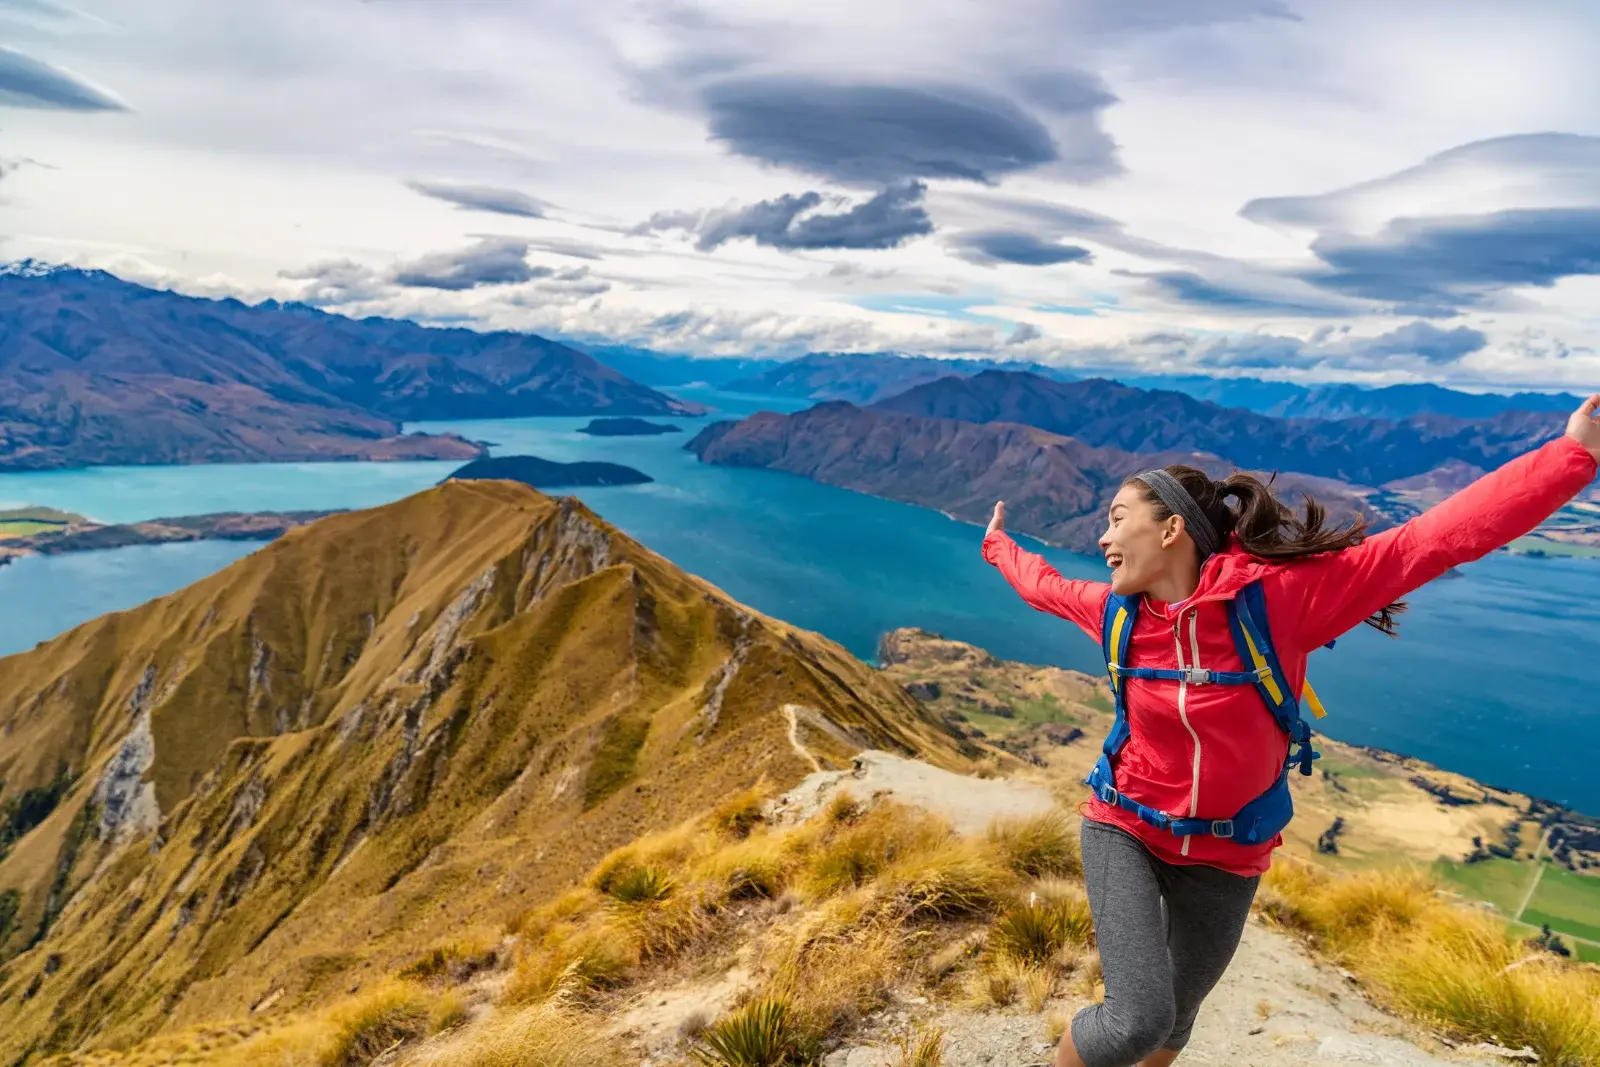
x=548 y=474
x=626 y=427
x=47 y=532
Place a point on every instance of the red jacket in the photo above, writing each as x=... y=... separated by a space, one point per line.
x=1205 y=751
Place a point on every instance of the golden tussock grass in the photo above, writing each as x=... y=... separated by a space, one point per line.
x=761 y=865
x=547 y=1035
x=855 y=849
x=352 y=1032
x=741 y=813
x=578 y=960
x=1442 y=964
x=1036 y=846
x=920 y=1048
x=456 y=960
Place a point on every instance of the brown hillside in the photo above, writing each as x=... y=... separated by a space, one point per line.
x=1056 y=488
x=380 y=729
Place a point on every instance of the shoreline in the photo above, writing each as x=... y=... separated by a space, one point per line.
x=217 y=526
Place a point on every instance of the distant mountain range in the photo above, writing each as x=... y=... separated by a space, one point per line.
x=1346 y=401
x=865 y=377
x=667 y=369
x=1366 y=452
x=1056 y=488
x=96 y=370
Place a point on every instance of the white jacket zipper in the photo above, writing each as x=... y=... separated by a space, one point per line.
x=1183 y=713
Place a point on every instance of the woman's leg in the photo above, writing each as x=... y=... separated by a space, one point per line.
x=1206 y=913
x=1136 y=1017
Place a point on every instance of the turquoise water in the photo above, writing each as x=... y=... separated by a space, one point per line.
x=1489 y=678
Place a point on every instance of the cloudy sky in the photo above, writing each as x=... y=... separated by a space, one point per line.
x=1380 y=190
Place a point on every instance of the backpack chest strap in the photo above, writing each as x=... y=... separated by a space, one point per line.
x=1190 y=675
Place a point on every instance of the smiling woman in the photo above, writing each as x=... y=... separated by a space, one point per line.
x=1207 y=622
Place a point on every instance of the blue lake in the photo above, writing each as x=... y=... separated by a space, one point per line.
x=1490 y=675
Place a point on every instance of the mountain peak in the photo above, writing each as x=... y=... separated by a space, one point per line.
x=340 y=738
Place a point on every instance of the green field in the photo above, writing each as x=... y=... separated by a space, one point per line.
x=1569 y=903
x=1500 y=882
x=1035 y=712
x=20 y=522
x=1543 y=546
x=1347 y=770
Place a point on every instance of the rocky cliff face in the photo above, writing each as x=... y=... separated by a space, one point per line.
x=378 y=729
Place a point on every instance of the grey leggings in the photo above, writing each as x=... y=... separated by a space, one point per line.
x=1166 y=933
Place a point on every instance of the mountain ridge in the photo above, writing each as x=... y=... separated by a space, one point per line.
x=1056 y=487
x=866 y=377
x=97 y=370
x=1101 y=412
x=340 y=739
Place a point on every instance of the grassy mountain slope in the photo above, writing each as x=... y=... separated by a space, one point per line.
x=380 y=728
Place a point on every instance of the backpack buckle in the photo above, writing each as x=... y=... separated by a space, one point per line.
x=1222 y=828
x=1196 y=675
x=1107 y=794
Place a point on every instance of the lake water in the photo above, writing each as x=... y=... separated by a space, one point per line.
x=1490 y=675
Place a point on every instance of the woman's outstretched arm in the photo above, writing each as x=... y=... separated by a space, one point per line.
x=1334 y=593
x=1039 y=584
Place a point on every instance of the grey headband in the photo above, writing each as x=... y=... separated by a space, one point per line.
x=1171 y=492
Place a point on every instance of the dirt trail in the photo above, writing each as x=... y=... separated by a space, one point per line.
x=1276 y=1006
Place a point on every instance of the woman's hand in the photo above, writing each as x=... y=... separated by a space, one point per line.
x=1583 y=428
x=998 y=520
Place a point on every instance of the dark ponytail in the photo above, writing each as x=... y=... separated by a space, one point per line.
x=1264 y=526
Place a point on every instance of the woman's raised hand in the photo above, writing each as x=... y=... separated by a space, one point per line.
x=1583 y=428
x=998 y=520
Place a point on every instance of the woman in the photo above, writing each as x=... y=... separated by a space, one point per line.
x=1168 y=909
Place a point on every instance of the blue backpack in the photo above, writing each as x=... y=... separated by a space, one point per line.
x=1264 y=817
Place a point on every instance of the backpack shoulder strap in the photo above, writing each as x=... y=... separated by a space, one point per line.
x=1247 y=615
x=1116 y=628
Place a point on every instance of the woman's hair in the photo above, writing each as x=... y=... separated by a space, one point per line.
x=1263 y=525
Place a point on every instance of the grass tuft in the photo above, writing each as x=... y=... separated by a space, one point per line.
x=362 y=1029
x=760 y=1034
x=920 y=1048
x=550 y=1035
x=1038 y=846
x=737 y=816
x=641 y=885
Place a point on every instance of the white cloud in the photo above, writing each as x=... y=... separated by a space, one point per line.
x=269 y=147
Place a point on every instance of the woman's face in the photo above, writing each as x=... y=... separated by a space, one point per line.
x=1136 y=543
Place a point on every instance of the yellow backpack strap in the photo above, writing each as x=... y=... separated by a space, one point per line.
x=1312 y=701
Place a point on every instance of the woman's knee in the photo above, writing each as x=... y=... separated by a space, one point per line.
x=1106 y=1037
